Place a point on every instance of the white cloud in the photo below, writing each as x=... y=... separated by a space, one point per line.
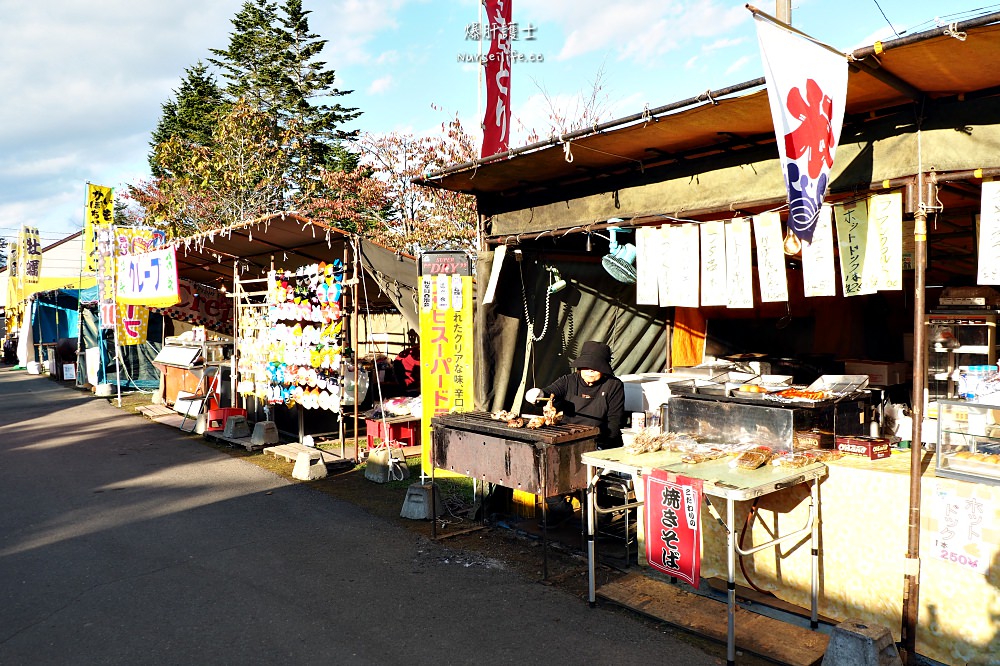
x=641 y=31
x=737 y=65
x=380 y=85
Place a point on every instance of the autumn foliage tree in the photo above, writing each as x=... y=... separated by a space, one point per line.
x=417 y=216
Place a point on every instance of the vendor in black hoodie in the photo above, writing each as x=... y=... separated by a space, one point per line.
x=590 y=396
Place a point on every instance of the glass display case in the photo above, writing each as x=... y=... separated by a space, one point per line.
x=968 y=440
x=955 y=340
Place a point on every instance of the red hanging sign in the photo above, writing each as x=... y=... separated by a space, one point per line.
x=496 y=121
x=673 y=525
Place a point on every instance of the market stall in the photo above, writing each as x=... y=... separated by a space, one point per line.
x=296 y=295
x=687 y=181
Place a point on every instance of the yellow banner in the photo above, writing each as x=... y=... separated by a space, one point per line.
x=446 y=382
x=31 y=255
x=133 y=324
x=100 y=211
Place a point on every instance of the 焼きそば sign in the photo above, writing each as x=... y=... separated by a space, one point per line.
x=673 y=525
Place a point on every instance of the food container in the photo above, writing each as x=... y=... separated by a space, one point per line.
x=873 y=448
x=813 y=439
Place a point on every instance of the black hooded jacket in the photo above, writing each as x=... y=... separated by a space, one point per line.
x=601 y=405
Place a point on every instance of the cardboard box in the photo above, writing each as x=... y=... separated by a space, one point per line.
x=880 y=373
x=873 y=448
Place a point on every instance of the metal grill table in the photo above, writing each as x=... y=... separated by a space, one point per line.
x=545 y=461
x=719 y=481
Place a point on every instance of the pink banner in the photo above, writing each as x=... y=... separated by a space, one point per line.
x=496 y=122
x=673 y=525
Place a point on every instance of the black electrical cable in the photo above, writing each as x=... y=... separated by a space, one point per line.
x=886 y=18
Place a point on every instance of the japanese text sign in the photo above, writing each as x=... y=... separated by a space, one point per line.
x=770 y=258
x=807 y=91
x=739 y=263
x=673 y=525
x=446 y=342
x=99 y=212
x=149 y=278
x=496 y=122
x=819 y=276
x=961 y=519
x=989 y=235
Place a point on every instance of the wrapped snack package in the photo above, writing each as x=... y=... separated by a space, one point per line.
x=791 y=460
x=751 y=458
x=823 y=455
x=645 y=441
x=679 y=442
x=703 y=454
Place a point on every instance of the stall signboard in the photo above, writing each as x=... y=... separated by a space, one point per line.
x=673 y=525
x=98 y=213
x=30 y=255
x=148 y=278
x=107 y=310
x=202 y=306
x=960 y=519
x=819 y=277
x=446 y=343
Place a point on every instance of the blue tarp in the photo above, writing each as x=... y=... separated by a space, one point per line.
x=54 y=316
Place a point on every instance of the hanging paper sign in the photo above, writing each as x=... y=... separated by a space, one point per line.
x=673 y=525
x=679 y=276
x=770 y=258
x=886 y=220
x=445 y=338
x=739 y=263
x=807 y=91
x=149 y=278
x=818 y=274
x=856 y=273
x=714 y=288
x=960 y=523
x=133 y=324
x=99 y=212
x=648 y=265
x=989 y=235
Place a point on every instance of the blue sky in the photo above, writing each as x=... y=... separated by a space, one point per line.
x=85 y=81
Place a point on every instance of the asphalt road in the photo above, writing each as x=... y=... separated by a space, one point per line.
x=124 y=542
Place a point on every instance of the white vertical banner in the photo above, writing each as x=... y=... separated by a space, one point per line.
x=739 y=263
x=807 y=92
x=989 y=235
x=819 y=278
x=852 y=238
x=648 y=265
x=685 y=241
x=770 y=258
x=885 y=212
x=714 y=288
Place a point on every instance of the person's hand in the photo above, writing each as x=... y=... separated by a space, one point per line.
x=533 y=395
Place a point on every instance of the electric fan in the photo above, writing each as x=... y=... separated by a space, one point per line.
x=619 y=262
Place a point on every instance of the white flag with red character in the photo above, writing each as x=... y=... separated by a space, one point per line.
x=807 y=90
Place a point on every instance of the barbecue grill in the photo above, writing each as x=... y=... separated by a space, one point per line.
x=544 y=461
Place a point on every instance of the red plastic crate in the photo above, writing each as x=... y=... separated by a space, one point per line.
x=403 y=431
x=217 y=417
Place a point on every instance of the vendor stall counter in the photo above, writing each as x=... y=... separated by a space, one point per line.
x=719 y=480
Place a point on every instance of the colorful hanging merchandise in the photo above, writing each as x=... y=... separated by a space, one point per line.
x=293 y=354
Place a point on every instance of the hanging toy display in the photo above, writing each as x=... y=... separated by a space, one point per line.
x=292 y=355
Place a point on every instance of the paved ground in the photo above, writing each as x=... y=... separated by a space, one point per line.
x=125 y=542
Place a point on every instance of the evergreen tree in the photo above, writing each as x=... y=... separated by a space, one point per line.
x=191 y=116
x=251 y=65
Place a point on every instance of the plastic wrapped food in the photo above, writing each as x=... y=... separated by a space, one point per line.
x=791 y=460
x=823 y=455
x=646 y=440
x=751 y=458
x=704 y=454
x=679 y=442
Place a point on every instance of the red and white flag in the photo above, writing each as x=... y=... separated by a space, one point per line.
x=807 y=90
x=496 y=121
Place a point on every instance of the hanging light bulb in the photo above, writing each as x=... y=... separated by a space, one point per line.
x=791 y=245
x=589 y=247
